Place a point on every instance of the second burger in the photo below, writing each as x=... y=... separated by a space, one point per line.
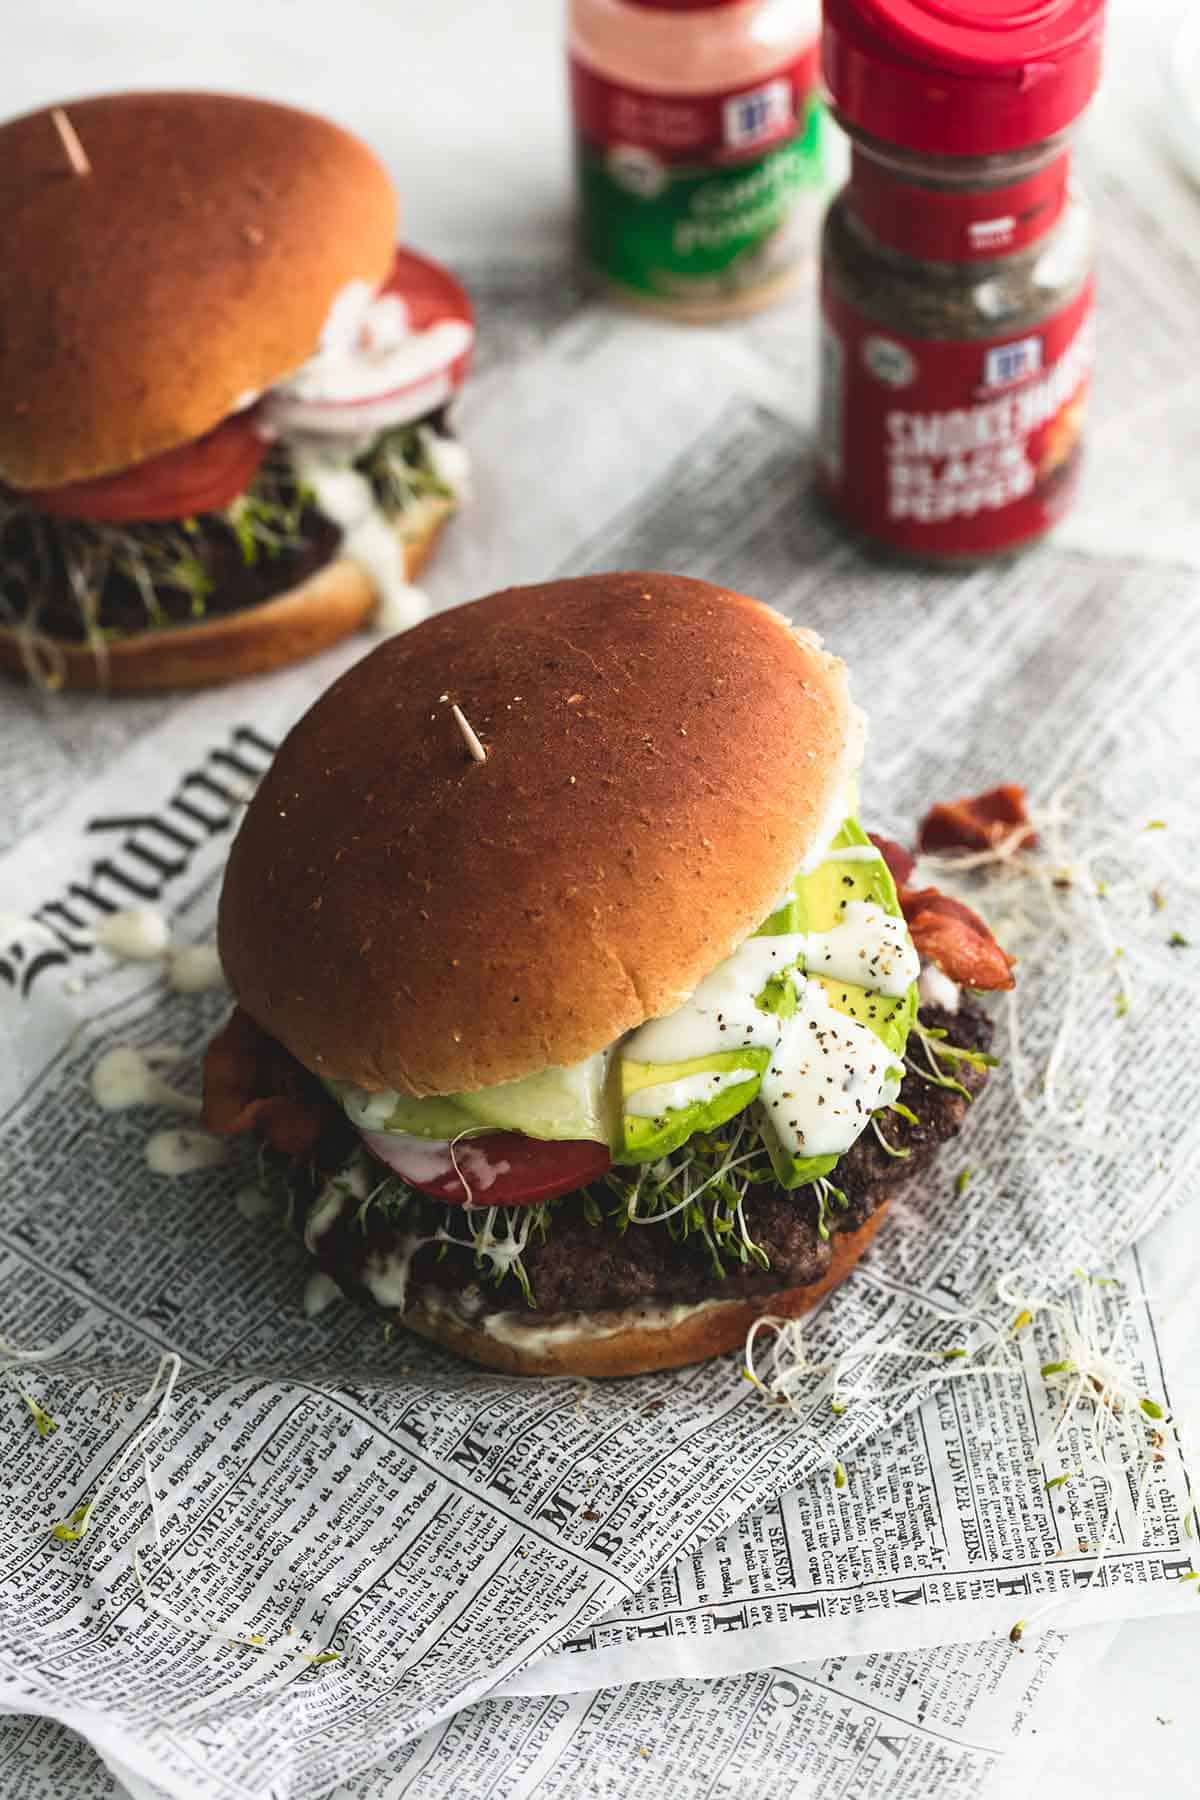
x=223 y=391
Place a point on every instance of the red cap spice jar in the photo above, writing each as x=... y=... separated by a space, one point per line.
x=698 y=148
x=956 y=281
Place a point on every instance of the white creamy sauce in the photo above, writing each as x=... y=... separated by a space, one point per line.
x=386 y=1277
x=368 y=537
x=349 y=1185
x=324 y=1212
x=869 y=948
x=853 y=853
x=135 y=934
x=527 y=1332
x=320 y=1292
x=936 y=989
x=721 y=1014
x=369 y=1111
x=831 y=822
x=428 y=1159
x=253 y=1204
x=125 y=1077
x=666 y=1096
x=826 y=1078
x=194 y=969
x=373 y=369
x=449 y=460
x=181 y=1152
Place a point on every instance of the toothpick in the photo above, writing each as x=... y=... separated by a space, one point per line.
x=468 y=734
x=76 y=154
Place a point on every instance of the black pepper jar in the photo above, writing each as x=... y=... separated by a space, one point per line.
x=956 y=281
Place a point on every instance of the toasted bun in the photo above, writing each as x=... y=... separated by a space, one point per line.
x=328 y=606
x=633 y=1344
x=193 y=267
x=661 y=754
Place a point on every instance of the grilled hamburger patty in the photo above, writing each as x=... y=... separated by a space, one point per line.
x=583 y=1267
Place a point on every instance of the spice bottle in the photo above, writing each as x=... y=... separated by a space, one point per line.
x=697 y=133
x=956 y=275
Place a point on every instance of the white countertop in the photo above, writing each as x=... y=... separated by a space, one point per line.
x=465 y=100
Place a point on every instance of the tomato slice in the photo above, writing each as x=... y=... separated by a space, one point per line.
x=430 y=292
x=199 y=477
x=497 y=1168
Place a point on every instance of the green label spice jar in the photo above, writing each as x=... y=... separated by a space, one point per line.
x=697 y=134
x=956 y=278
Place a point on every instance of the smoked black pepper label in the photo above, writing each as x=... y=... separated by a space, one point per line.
x=695 y=196
x=948 y=448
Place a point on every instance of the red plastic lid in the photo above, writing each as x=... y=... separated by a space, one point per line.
x=961 y=77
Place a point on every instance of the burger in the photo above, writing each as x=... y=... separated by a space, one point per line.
x=579 y=1018
x=223 y=391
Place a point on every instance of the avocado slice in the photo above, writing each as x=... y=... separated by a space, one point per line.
x=645 y=1136
x=441 y=1118
x=558 y=1103
x=821 y=899
x=596 y=1098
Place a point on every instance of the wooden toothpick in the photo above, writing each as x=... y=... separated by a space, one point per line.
x=468 y=734
x=76 y=154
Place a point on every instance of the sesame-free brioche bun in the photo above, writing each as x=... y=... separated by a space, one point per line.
x=305 y=619
x=192 y=267
x=637 y=1341
x=661 y=753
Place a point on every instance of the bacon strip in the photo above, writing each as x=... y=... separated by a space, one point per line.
x=955 y=938
x=978 y=821
x=900 y=861
x=251 y=1083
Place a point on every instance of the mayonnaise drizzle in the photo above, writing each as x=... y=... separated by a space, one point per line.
x=852 y=853
x=869 y=948
x=526 y=1331
x=253 y=1204
x=135 y=934
x=320 y=1292
x=937 y=989
x=828 y=1075
x=372 y=370
x=176 y=1152
x=369 y=538
x=124 y=1077
x=419 y=1159
x=449 y=460
x=721 y=1014
x=666 y=1096
x=386 y=1277
x=194 y=968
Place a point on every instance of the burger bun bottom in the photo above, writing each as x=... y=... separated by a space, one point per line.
x=325 y=608
x=641 y=1346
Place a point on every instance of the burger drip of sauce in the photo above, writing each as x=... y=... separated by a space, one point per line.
x=374 y=371
x=368 y=537
x=535 y=1335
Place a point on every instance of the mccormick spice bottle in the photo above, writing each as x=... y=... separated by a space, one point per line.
x=956 y=288
x=697 y=134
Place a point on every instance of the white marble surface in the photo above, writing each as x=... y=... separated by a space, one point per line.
x=465 y=100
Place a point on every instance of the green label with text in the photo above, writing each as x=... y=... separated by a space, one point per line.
x=673 y=230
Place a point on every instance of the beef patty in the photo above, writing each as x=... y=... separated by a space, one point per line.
x=584 y=1266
